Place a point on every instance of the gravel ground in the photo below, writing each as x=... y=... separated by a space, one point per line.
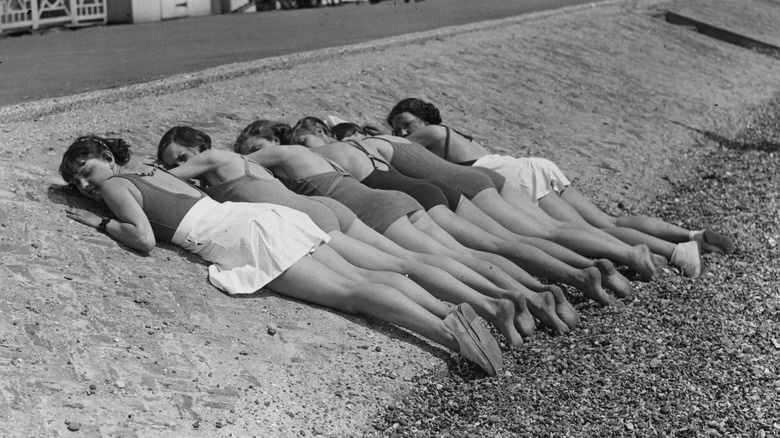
x=686 y=358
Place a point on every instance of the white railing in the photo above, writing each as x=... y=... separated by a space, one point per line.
x=33 y=14
x=88 y=12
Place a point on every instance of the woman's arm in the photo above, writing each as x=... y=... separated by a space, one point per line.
x=197 y=166
x=428 y=136
x=131 y=226
x=273 y=156
x=375 y=129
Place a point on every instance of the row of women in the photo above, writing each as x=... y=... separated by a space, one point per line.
x=421 y=227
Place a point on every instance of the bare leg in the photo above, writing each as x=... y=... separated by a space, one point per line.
x=310 y=280
x=566 y=217
x=499 y=312
x=509 y=274
x=649 y=225
x=639 y=258
x=597 y=217
x=528 y=257
x=404 y=233
x=560 y=209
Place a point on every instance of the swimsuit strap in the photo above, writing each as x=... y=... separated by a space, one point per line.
x=447 y=143
x=382 y=138
x=466 y=136
x=370 y=156
x=336 y=166
x=447 y=140
x=247 y=162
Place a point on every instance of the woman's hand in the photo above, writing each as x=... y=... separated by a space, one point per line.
x=85 y=217
x=373 y=129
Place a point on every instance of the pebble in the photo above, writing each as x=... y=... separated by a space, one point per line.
x=74 y=426
x=666 y=409
x=655 y=363
x=493 y=419
x=271 y=331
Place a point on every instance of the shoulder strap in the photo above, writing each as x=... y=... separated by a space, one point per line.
x=374 y=159
x=447 y=140
x=447 y=143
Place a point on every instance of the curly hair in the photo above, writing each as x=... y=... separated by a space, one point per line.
x=306 y=125
x=427 y=112
x=183 y=136
x=346 y=129
x=267 y=129
x=92 y=146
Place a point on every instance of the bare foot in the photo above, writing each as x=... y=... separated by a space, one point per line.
x=524 y=321
x=563 y=308
x=501 y=313
x=640 y=259
x=588 y=281
x=542 y=306
x=612 y=279
x=660 y=261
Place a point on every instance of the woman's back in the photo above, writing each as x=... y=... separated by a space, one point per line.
x=448 y=143
x=257 y=184
x=164 y=198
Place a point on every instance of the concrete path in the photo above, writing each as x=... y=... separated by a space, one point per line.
x=61 y=63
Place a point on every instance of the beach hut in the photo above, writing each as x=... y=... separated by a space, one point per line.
x=142 y=11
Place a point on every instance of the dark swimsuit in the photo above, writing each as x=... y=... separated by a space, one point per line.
x=377 y=208
x=251 y=188
x=415 y=161
x=496 y=177
x=428 y=193
x=165 y=209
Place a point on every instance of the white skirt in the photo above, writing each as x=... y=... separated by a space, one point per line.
x=535 y=176
x=248 y=244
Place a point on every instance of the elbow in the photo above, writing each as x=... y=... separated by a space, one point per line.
x=146 y=244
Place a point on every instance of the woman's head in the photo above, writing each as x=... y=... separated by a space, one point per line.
x=181 y=143
x=310 y=132
x=346 y=129
x=90 y=160
x=260 y=134
x=411 y=114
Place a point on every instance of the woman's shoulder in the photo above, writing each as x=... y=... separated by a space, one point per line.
x=220 y=156
x=429 y=134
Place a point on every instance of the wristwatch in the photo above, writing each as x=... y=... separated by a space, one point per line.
x=103 y=224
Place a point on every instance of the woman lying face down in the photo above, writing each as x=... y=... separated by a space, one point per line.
x=227 y=176
x=254 y=245
x=543 y=183
x=311 y=173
